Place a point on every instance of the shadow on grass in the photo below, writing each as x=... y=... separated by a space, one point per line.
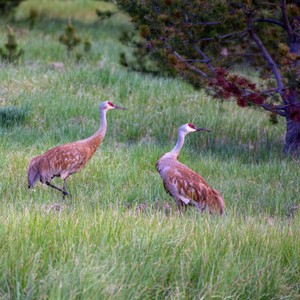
x=231 y=149
x=251 y=153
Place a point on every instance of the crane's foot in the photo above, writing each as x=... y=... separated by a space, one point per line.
x=64 y=194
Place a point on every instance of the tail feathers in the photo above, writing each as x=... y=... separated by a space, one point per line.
x=218 y=204
x=221 y=205
x=33 y=177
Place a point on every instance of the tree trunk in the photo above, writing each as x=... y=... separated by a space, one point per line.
x=292 y=138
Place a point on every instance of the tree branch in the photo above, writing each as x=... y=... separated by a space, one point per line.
x=181 y=59
x=268 y=58
x=203 y=23
x=271 y=21
x=278 y=109
x=273 y=109
x=286 y=20
x=206 y=60
x=195 y=60
x=240 y=33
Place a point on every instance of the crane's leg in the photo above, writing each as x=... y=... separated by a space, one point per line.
x=179 y=205
x=185 y=207
x=64 y=192
x=53 y=186
x=57 y=188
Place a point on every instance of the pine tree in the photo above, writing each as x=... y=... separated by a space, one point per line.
x=11 y=52
x=70 y=38
x=206 y=41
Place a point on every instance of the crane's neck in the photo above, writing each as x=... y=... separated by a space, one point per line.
x=103 y=123
x=97 y=138
x=174 y=153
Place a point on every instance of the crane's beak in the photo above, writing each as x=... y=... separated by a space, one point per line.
x=119 y=107
x=203 y=129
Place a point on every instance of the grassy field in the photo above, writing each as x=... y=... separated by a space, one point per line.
x=120 y=236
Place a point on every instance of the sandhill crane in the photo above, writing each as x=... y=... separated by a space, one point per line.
x=64 y=160
x=183 y=184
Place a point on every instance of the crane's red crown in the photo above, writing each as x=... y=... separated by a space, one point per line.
x=110 y=103
x=192 y=126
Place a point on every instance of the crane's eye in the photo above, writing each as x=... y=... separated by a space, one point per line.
x=109 y=103
x=192 y=126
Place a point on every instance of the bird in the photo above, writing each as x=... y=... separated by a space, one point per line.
x=65 y=160
x=183 y=184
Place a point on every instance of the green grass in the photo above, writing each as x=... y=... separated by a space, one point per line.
x=109 y=254
x=120 y=236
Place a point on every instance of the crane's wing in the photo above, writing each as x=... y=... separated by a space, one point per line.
x=189 y=187
x=62 y=161
x=70 y=158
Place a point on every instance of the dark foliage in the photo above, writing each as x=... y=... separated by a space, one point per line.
x=33 y=16
x=7 y=6
x=70 y=38
x=12 y=115
x=11 y=53
x=104 y=15
x=138 y=57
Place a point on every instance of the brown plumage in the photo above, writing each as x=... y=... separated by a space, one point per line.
x=64 y=160
x=183 y=184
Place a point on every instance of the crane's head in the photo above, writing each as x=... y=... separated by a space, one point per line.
x=187 y=128
x=107 y=105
